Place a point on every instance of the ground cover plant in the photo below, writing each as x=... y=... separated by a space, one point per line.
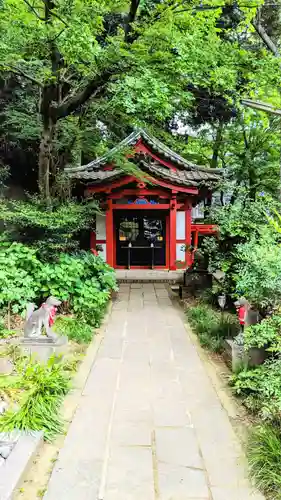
x=260 y=389
x=211 y=326
x=75 y=329
x=35 y=392
x=264 y=457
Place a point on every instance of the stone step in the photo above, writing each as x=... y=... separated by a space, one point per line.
x=148 y=276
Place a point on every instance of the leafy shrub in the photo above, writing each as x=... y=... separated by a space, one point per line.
x=264 y=334
x=19 y=268
x=75 y=329
x=50 y=229
x=44 y=387
x=4 y=332
x=84 y=281
x=259 y=270
x=211 y=326
x=264 y=456
x=260 y=389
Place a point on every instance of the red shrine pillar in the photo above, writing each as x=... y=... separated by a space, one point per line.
x=109 y=232
x=188 y=221
x=173 y=232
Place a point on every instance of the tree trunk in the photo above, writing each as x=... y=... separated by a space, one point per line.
x=45 y=159
x=217 y=145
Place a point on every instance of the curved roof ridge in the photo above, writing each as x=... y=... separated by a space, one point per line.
x=152 y=141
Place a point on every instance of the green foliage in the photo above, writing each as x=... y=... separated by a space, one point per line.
x=212 y=327
x=259 y=270
x=249 y=152
x=44 y=387
x=247 y=249
x=19 y=267
x=75 y=329
x=83 y=281
x=264 y=334
x=147 y=71
x=5 y=332
x=51 y=229
x=264 y=457
x=260 y=389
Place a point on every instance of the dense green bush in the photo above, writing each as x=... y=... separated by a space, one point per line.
x=265 y=334
x=259 y=270
x=260 y=389
x=83 y=281
x=50 y=229
x=211 y=326
x=19 y=269
x=264 y=456
x=75 y=329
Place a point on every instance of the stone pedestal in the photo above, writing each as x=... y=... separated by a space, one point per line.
x=236 y=356
x=43 y=348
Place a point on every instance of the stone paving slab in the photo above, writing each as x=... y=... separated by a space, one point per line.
x=182 y=483
x=149 y=425
x=124 y=480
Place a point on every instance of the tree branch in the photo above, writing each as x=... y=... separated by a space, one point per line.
x=20 y=72
x=92 y=88
x=255 y=23
x=58 y=35
x=34 y=10
x=265 y=38
x=131 y=18
x=54 y=14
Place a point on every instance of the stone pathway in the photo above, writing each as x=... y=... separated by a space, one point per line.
x=149 y=425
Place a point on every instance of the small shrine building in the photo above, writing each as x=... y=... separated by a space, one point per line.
x=148 y=221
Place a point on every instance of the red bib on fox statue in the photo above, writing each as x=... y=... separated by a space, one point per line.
x=242 y=315
x=246 y=314
x=53 y=312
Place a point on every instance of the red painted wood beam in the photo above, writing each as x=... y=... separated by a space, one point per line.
x=109 y=233
x=135 y=206
x=173 y=229
x=142 y=148
x=128 y=179
x=188 y=233
x=140 y=192
x=177 y=189
x=205 y=228
x=107 y=188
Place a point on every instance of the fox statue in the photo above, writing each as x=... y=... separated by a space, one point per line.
x=36 y=319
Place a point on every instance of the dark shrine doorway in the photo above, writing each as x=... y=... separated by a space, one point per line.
x=140 y=238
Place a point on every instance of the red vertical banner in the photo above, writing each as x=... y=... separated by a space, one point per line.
x=109 y=233
x=188 y=221
x=173 y=230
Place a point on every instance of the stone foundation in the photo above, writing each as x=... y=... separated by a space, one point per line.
x=44 y=348
x=235 y=356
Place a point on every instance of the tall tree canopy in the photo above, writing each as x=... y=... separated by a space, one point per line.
x=84 y=70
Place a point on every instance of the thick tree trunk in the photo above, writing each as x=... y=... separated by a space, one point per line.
x=45 y=159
